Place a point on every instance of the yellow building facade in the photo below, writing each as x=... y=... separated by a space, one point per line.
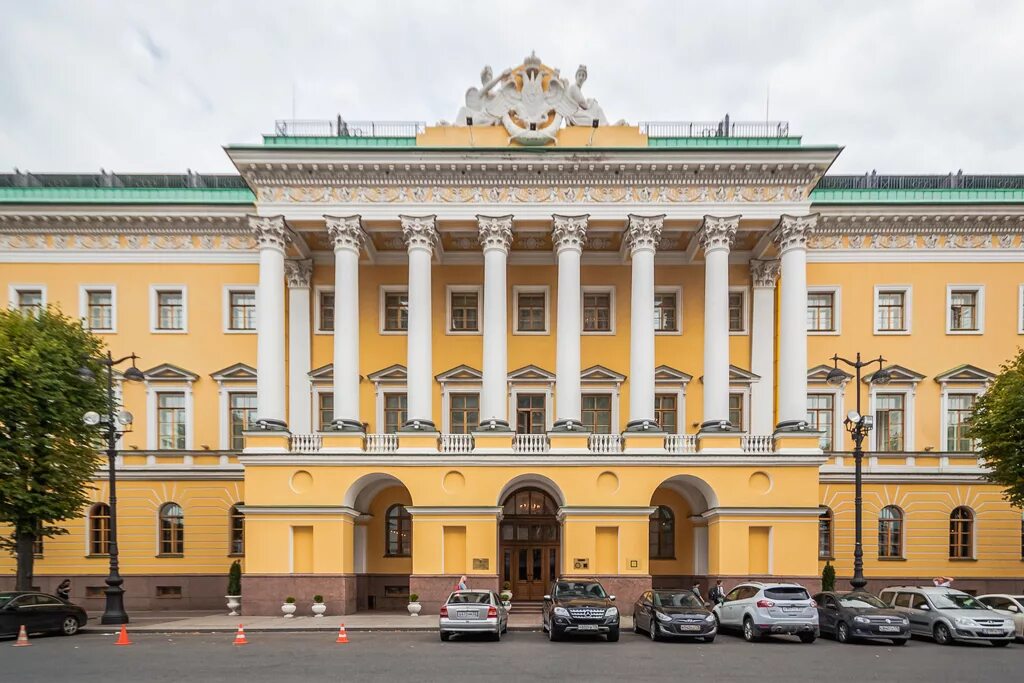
x=527 y=344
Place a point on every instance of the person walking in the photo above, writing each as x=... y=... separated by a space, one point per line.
x=717 y=594
x=943 y=581
x=64 y=590
x=462 y=584
x=696 y=591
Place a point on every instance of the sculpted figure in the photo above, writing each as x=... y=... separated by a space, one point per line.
x=480 y=102
x=587 y=109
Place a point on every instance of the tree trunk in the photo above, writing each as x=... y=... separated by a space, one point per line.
x=24 y=546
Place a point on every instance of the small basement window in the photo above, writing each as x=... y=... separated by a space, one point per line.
x=168 y=591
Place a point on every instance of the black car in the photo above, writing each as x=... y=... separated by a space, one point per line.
x=579 y=607
x=661 y=613
x=39 y=612
x=860 y=615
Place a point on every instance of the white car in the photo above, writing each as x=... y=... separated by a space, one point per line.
x=761 y=609
x=1009 y=606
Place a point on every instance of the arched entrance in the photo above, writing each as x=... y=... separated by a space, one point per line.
x=678 y=534
x=529 y=542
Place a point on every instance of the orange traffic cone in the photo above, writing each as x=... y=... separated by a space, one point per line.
x=22 y=640
x=122 y=638
x=342 y=636
x=240 y=636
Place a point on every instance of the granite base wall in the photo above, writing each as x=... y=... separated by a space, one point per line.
x=625 y=588
x=373 y=592
x=263 y=594
x=198 y=591
x=434 y=589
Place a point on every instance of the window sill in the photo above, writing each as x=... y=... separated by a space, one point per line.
x=236 y=554
x=159 y=331
x=963 y=332
x=892 y=559
x=829 y=558
x=666 y=557
x=386 y=556
x=172 y=555
x=230 y=331
x=394 y=333
x=892 y=333
x=530 y=333
x=963 y=559
x=97 y=556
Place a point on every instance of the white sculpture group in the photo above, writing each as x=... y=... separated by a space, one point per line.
x=531 y=101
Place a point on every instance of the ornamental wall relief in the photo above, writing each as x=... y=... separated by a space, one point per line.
x=131 y=242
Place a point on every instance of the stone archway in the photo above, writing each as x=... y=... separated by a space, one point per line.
x=678 y=533
x=529 y=541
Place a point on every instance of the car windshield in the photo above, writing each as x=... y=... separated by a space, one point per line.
x=579 y=589
x=862 y=601
x=956 y=601
x=676 y=599
x=469 y=598
x=786 y=593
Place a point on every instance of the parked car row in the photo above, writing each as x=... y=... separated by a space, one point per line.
x=38 y=613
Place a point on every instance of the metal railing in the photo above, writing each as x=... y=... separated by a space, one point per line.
x=726 y=128
x=305 y=443
x=457 y=443
x=531 y=443
x=133 y=180
x=681 y=443
x=340 y=128
x=381 y=443
x=950 y=181
x=604 y=443
x=756 y=443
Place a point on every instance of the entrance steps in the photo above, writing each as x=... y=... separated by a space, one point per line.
x=527 y=607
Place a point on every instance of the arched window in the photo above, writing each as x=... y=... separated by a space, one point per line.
x=172 y=529
x=961 y=533
x=398 y=532
x=890 y=532
x=825 y=551
x=236 y=521
x=99 y=529
x=662 y=534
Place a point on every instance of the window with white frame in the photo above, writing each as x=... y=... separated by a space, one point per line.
x=666 y=412
x=28 y=299
x=324 y=310
x=965 y=309
x=892 y=310
x=170 y=418
x=737 y=412
x=464 y=309
x=823 y=310
x=598 y=310
x=463 y=412
x=97 y=307
x=169 y=309
x=821 y=417
x=324 y=410
x=394 y=309
x=241 y=309
x=959 y=407
x=531 y=305
x=667 y=318
x=531 y=413
x=396 y=411
x=1020 y=310
x=596 y=411
x=737 y=310
x=890 y=422
x=242 y=408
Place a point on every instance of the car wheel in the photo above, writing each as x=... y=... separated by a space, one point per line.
x=807 y=638
x=504 y=629
x=900 y=642
x=445 y=636
x=843 y=632
x=999 y=643
x=69 y=627
x=553 y=634
x=613 y=635
x=942 y=634
x=655 y=636
x=496 y=636
x=749 y=632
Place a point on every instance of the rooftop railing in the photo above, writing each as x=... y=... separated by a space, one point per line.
x=950 y=181
x=130 y=180
x=726 y=128
x=340 y=128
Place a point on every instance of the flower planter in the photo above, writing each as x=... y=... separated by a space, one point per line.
x=414 y=609
x=318 y=609
x=234 y=603
x=289 y=609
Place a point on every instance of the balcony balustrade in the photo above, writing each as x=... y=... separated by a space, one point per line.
x=381 y=443
x=757 y=443
x=457 y=443
x=604 y=443
x=681 y=443
x=305 y=443
x=531 y=443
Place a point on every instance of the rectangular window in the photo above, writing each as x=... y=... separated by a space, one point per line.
x=737 y=312
x=597 y=413
x=100 y=309
x=326 y=309
x=463 y=413
x=820 y=415
x=396 y=311
x=963 y=310
x=243 y=412
x=531 y=313
x=465 y=311
x=170 y=411
x=242 y=314
x=597 y=312
x=736 y=416
x=530 y=414
x=821 y=312
x=170 y=310
x=395 y=412
x=666 y=412
x=958 y=410
x=889 y=422
x=30 y=301
x=325 y=410
x=666 y=307
x=891 y=314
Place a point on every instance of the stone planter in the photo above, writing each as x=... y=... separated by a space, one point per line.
x=234 y=603
x=289 y=609
x=414 y=609
x=318 y=609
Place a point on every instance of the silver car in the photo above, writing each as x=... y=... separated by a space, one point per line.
x=473 y=611
x=1011 y=606
x=947 y=615
x=761 y=609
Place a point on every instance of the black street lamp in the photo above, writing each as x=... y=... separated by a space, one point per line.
x=858 y=425
x=113 y=612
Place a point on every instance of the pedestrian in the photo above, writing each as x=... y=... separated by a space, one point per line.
x=696 y=591
x=64 y=590
x=717 y=594
x=943 y=581
x=462 y=584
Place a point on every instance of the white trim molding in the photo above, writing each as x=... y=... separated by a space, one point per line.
x=14 y=289
x=837 y=309
x=461 y=379
x=83 y=306
x=318 y=292
x=228 y=290
x=383 y=291
x=963 y=379
x=239 y=378
x=531 y=289
x=598 y=289
x=908 y=309
x=154 y=314
x=182 y=384
x=979 y=307
x=902 y=383
x=459 y=289
x=668 y=380
x=745 y=291
x=531 y=379
x=678 y=292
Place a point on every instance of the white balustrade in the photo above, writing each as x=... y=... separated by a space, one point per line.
x=456 y=443
x=381 y=443
x=305 y=443
x=756 y=443
x=681 y=443
x=530 y=443
x=605 y=443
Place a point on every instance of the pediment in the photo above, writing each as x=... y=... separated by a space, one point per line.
x=899 y=374
x=666 y=373
x=819 y=373
x=599 y=373
x=531 y=373
x=966 y=374
x=392 y=373
x=169 y=373
x=738 y=375
x=239 y=372
x=322 y=373
x=460 y=373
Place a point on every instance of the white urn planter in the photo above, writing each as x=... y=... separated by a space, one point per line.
x=234 y=603
x=414 y=609
x=318 y=609
x=289 y=609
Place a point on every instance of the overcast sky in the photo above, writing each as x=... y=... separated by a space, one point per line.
x=930 y=86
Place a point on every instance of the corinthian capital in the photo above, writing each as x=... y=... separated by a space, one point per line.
x=419 y=231
x=793 y=231
x=270 y=231
x=718 y=232
x=495 y=232
x=298 y=272
x=346 y=232
x=644 y=232
x=764 y=273
x=569 y=232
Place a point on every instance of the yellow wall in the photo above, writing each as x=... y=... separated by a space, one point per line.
x=302 y=549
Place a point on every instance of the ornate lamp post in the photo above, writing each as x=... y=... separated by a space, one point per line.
x=858 y=425
x=113 y=612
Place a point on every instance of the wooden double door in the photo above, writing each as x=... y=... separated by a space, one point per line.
x=529 y=544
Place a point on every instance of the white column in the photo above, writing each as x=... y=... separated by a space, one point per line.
x=762 y=346
x=716 y=237
x=298 y=273
x=496 y=239
x=271 y=236
x=791 y=237
x=568 y=235
x=420 y=236
x=643 y=237
x=346 y=234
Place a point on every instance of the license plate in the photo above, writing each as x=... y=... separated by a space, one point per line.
x=791 y=609
x=587 y=627
x=689 y=627
x=992 y=632
x=889 y=629
x=467 y=614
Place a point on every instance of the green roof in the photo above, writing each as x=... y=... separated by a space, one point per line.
x=929 y=196
x=720 y=142
x=125 y=195
x=333 y=141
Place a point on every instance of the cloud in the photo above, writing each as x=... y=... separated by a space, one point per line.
x=923 y=86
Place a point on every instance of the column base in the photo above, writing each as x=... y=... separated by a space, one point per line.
x=493 y=425
x=567 y=425
x=346 y=425
x=717 y=426
x=645 y=425
x=792 y=426
x=270 y=424
x=418 y=425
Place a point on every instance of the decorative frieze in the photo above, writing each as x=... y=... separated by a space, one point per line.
x=644 y=232
x=495 y=232
x=119 y=242
x=718 y=232
x=764 y=273
x=918 y=232
x=419 y=232
x=270 y=231
x=793 y=231
x=569 y=232
x=298 y=272
x=345 y=232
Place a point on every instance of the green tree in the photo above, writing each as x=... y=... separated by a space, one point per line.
x=48 y=456
x=998 y=425
x=828 y=578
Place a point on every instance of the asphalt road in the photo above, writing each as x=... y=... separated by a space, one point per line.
x=308 y=657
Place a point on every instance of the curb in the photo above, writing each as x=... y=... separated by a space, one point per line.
x=256 y=629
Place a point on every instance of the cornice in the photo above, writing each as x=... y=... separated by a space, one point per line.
x=121 y=224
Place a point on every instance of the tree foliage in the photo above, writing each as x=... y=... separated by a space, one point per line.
x=828 y=578
x=48 y=457
x=998 y=424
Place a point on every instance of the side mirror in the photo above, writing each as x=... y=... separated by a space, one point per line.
x=1012 y=608
x=612 y=598
x=926 y=607
x=547 y=598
